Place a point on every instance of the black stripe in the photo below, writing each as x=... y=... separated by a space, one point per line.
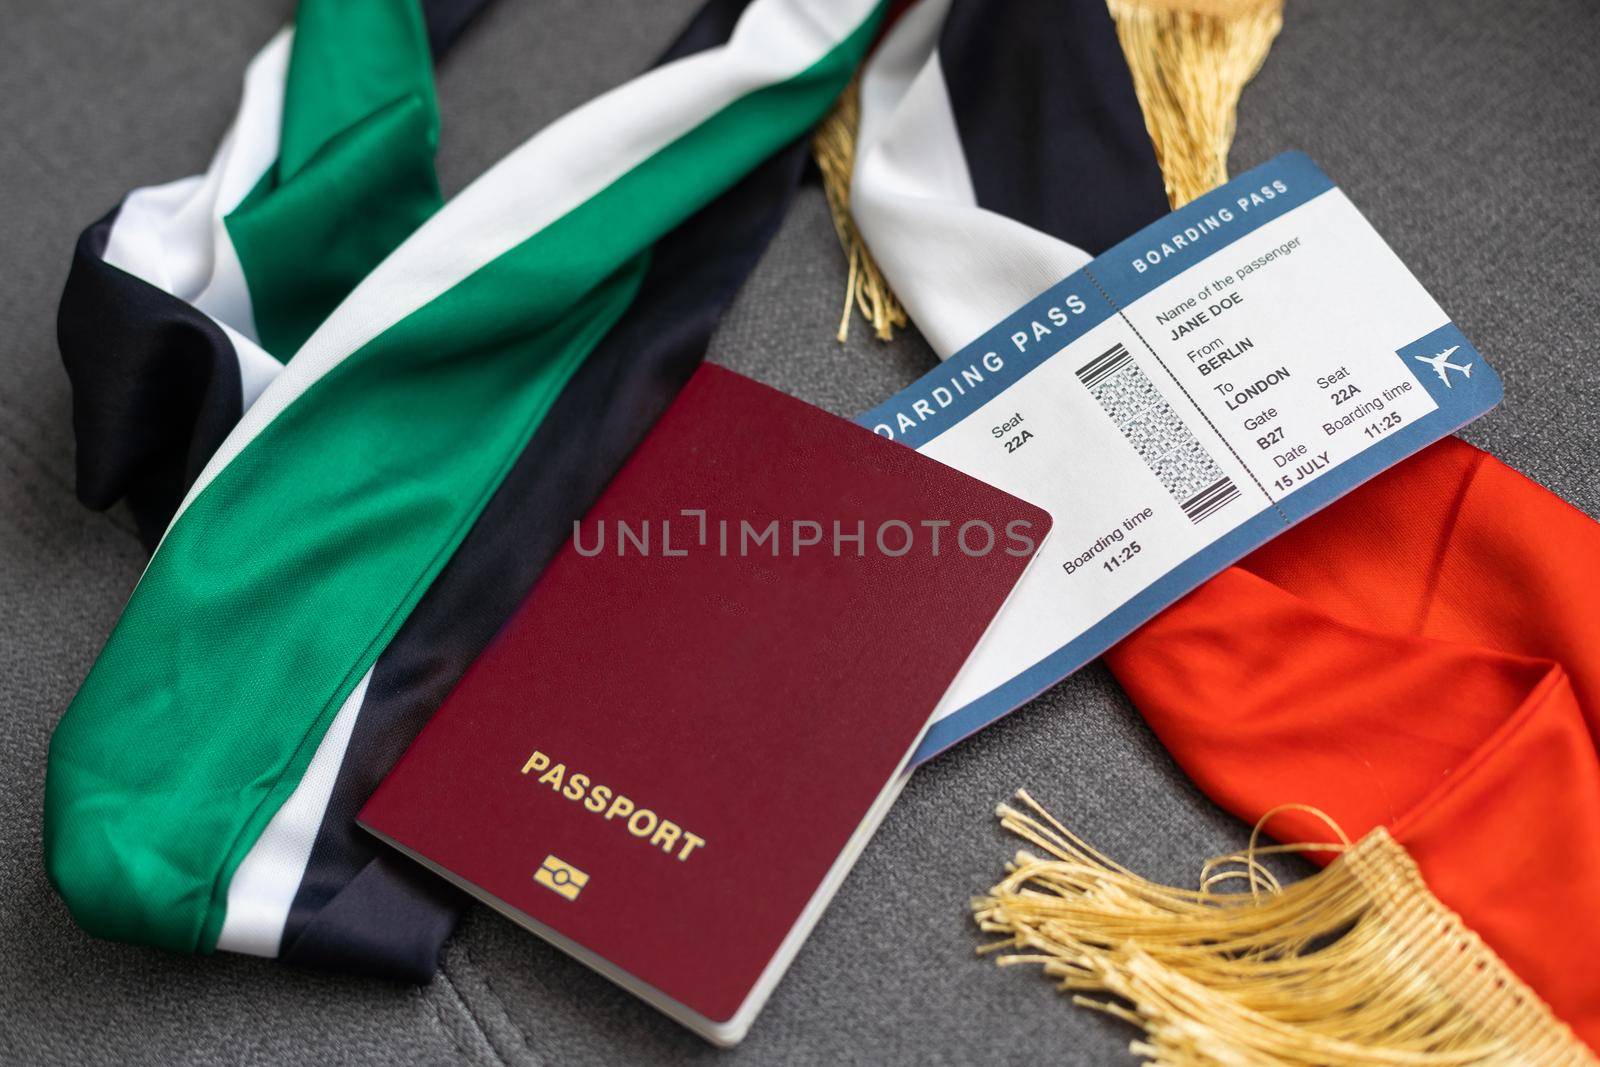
x=611 y=402
x=155 y=386
x=1052 y=130
x=155 y=382
x=446 y=19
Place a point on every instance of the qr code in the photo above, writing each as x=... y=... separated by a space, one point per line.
x=1185 y=469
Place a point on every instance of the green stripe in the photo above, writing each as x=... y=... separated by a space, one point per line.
x=354 y=175
x=284 y=579
x=351 y=59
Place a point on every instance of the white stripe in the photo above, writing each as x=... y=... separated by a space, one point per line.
x=257 y=368
x=547 y=177
x=266 y=881
x=173 y=236
x=957 y=267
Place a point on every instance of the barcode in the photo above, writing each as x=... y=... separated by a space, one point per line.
x=1103 y=366
x=1210 y=499
x=1163 y=440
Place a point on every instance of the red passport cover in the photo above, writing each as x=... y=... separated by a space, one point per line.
x=757 y=703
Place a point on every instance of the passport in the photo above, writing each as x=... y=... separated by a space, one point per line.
x=669 y=758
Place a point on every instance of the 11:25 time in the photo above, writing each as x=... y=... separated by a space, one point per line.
x=1121 y=556
x=1379 y=427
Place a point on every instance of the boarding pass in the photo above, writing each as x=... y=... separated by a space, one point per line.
x=1184 y=397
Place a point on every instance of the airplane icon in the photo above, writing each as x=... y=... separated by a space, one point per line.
x=1442 y=361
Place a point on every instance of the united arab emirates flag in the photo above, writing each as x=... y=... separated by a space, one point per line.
x=395 y=365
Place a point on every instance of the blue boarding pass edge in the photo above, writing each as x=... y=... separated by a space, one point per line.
x=1464 y=399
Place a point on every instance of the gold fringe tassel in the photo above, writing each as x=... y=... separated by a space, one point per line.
x=1190 y=59
x=1357 y=964
x=834 y=147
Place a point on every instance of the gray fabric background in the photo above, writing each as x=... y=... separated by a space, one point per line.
x=1467 y=132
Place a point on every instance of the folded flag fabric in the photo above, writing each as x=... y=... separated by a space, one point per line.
x=357 y=905
x=999 y=149
x=1419 y=657
x=189 y=777
x=1415 y=658
x=185 y=300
